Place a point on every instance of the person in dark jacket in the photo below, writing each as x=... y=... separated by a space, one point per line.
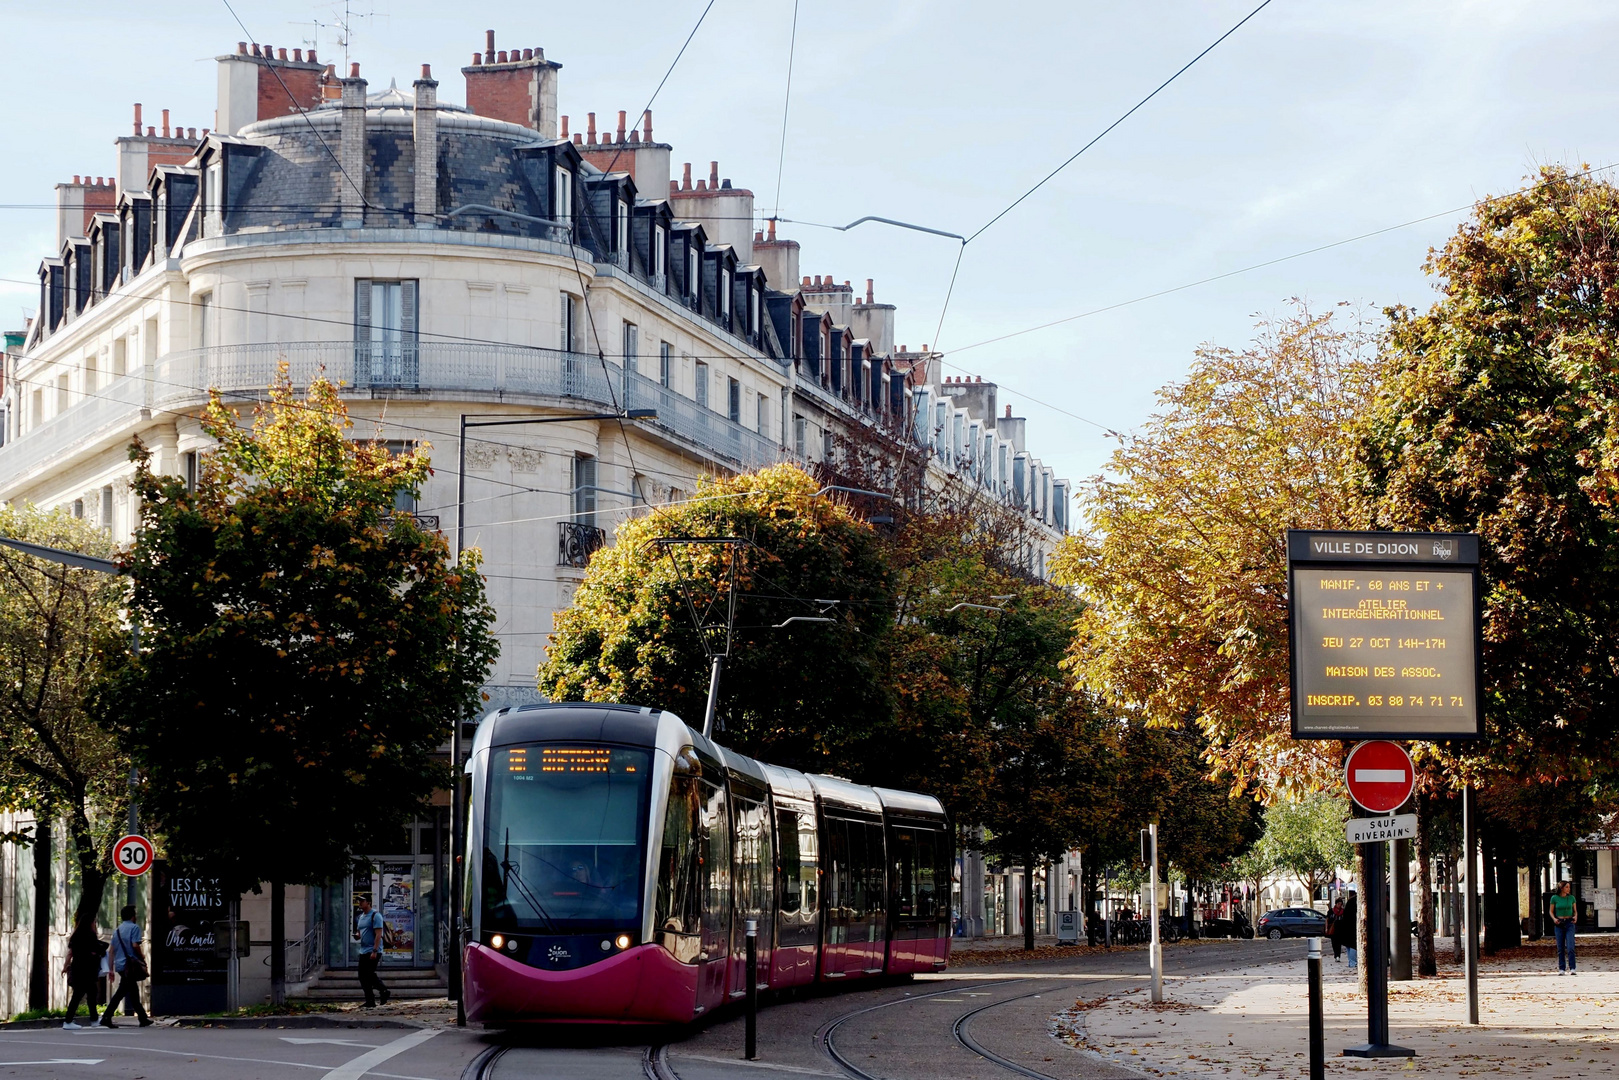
x=83 y=969
x=1343 y=929
x=1334 y=917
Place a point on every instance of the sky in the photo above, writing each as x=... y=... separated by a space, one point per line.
x=1316 y=122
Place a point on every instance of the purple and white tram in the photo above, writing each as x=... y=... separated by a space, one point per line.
x=614 y=855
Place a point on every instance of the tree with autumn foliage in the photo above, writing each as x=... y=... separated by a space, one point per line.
x=305 y=651
x=1183 y=570
x=1499 y=416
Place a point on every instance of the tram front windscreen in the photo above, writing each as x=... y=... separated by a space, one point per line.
x=566 y=828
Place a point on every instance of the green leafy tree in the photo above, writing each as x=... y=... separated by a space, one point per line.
x=305 y=651
x=1305 y=838
x=58 y=627
x=791 y=694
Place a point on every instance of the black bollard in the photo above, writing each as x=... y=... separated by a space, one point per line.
x=1318 y=1036
x=751 y=1046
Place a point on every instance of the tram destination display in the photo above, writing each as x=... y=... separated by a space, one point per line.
x=1384 y=630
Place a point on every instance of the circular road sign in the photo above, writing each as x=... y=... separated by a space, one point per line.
x=1379 y=775
x=132 y=854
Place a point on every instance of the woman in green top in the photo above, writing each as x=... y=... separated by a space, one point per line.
x=1562 y=907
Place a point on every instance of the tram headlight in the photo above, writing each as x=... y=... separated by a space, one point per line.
x=496 y=942
x=622 y=941
x=511 y=945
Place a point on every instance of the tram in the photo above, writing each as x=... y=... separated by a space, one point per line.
x=615 y=855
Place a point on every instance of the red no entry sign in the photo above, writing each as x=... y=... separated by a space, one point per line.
x=132 y=854
x=1379 y=775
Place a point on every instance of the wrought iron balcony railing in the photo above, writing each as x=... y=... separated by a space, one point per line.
x=577 y=542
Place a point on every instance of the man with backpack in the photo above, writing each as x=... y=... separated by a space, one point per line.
x=130 y=964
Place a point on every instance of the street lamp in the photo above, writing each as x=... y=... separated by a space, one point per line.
x=457 y=812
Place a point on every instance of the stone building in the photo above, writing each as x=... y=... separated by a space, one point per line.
x=439 y=259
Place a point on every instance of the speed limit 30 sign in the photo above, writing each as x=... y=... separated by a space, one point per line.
x=132 y=855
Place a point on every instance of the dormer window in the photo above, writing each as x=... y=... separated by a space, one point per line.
x=213 y=198
x=725 y=294
x=623 y=226
x=691 y=270
x=562 y=207
x=660 y=250
x=160 y=225
x=753 y=312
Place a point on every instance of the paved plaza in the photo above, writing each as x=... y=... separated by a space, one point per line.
x=1253 y=1021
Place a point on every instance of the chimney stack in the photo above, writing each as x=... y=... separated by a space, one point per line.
x=351 y=150
x=425 y=123
x=518 y=86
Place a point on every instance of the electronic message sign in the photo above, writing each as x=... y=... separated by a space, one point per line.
x=1384 y=630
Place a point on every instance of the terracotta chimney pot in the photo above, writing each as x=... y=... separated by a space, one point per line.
x=621 y=116
x=685 y=177
x=241 y=48
x=427 y=71
x=528 y=54
x=137 y=118
x=772 y=224
x=281 y=54
x=311 y=57
x=1009 y=412
x=298 y=55
x=165 y=123
x=646 y=121
x=868 y=291
x=489 y=46
x=151 y=132
x=500 y=57
x=590 y=128
x=564 y=120
x=714 y=175
x=354 y=70
x=477 y=59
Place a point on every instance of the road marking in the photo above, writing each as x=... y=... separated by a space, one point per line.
x=334 y=1042
x=1379 y=776
x=361 y=1065
x=58 y=1061
x=12 y=1040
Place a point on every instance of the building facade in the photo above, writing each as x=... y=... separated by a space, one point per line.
x=435 y=260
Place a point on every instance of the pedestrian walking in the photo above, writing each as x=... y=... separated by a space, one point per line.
x=1343 y=929
x=1563 y=908
x=83 y=969
x=130 y=964
x=1333 y=918
x=368 y=928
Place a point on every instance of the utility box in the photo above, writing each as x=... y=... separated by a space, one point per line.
x=1067 y=928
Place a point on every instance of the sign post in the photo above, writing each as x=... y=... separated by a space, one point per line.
x=1384 y=644
x=1380 y=777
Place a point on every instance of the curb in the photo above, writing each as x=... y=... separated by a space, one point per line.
x=314 y=1020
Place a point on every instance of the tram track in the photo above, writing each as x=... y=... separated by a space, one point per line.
x=482 y=1067
x=824 y=1036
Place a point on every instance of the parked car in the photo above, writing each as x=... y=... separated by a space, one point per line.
x=1292 y=922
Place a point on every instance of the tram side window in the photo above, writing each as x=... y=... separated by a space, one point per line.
x=854 y=900
x=837 y=876
x=752 y=855
x=792 y=882
x=809 y=845
x=679 y=907
x=903 y=855
x=714 y=851
x=876 y=896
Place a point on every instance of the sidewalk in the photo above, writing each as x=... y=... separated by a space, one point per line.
x=1255 y=1022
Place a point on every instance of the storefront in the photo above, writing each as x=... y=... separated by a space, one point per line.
x=401 y=884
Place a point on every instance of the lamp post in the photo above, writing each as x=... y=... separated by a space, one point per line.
x=457 y=809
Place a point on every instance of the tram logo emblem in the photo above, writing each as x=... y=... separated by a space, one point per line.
x=557 y=954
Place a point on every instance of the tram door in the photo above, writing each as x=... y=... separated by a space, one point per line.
x=714 y=855
x=753 y=882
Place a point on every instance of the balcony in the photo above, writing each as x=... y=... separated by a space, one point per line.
x=577 y=542
x=180 y=383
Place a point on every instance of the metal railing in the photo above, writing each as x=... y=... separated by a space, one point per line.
x=181 y=381
x=577 y=542
x=305 y=955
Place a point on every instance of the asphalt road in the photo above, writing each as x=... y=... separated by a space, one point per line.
x=975 y=1024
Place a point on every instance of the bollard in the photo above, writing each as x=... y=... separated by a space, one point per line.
x=751 y=1047
x=1318 y=1037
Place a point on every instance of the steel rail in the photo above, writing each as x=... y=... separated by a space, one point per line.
x=963 y=1036
x=823 y=1034
x=482 y=1067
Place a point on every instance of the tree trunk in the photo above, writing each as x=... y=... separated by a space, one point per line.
x=1028 y=902
x=278 y=943
x=39 y=977
x=1427 y=964
x=1361 y=905
x=1501 y=918
x=92 y=874
x=1536 y=901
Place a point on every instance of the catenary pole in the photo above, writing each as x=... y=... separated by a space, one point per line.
x=1470 y=910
